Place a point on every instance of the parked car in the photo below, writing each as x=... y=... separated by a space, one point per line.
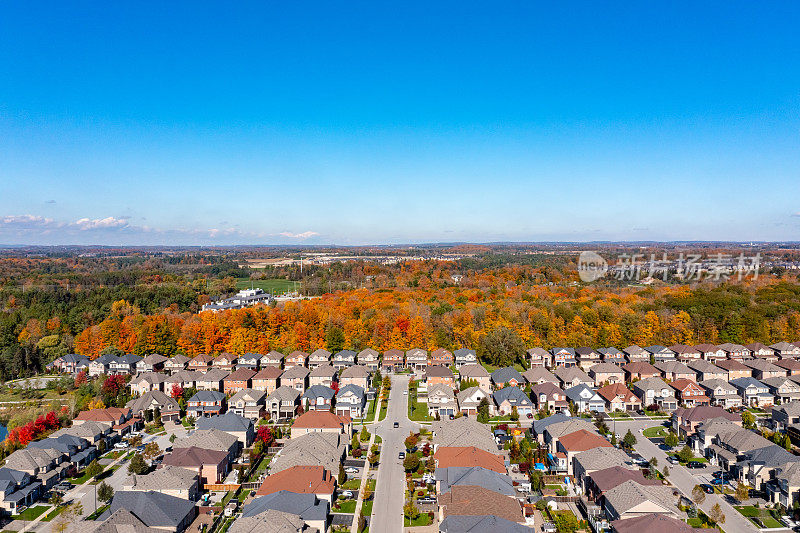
x=121 y=445
x=351 y=470
x=530 y=415
x=694 y=464
x=673 y=460
x=718 y=481
x=346 y=494
x=401 y=455
x=426 y=500
x=708 y=489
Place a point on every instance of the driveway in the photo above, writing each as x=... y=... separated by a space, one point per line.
x=685 y=481
x=387 y=511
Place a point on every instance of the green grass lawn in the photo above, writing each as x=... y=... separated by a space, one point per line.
x=616 y=414
x=268 y=285
x=54 y=513
x=658 y=431
x=763 y=515
x=422 y=520
x=366 y=507
x=94 y=515
x=32 y=513
x=352 y=484
x=695 y=522
x=418 y=412
x=384 y=412
x=378 y=438
x=347 y=507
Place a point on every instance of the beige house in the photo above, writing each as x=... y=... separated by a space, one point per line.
x=606 y=374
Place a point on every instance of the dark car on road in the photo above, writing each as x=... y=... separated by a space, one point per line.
x=708 y=489
x=396 y=424
x=695 y=464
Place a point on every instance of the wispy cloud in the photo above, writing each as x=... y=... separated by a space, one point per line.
x=85 y=224
x=304 y=235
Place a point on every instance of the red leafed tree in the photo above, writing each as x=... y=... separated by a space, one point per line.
x=81 y=378
x=52 y=420
x=176 y=392
x=113 y=385
x=265 y=435
x=335 y=386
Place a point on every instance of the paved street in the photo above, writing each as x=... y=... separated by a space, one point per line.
x=683 y=479
x=387 y=511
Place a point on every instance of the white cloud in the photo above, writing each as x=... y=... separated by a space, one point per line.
x=101 y=223
x=304 y=235
x=28 y=222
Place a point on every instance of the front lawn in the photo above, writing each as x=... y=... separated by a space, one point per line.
x=617 y=414
x=422 y=520
x=366 y=507
x=31 y=513
x=352 y=484
x=418 y=412
x=346 y=506
x=652 y=433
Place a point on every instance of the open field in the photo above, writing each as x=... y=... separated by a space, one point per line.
x=268 y=285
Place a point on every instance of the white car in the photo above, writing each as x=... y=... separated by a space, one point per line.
x=120 y=445
x=405 y=393
x=347 y=494
x=351 y=470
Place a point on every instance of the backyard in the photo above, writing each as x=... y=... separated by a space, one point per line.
x=762 y=518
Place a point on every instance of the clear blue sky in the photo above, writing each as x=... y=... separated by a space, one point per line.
x=378 y=122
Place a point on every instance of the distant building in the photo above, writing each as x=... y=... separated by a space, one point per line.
x=245 y=298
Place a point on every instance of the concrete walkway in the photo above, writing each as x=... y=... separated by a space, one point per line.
x=364 y=480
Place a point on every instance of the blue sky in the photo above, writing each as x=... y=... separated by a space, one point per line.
x=352 y=123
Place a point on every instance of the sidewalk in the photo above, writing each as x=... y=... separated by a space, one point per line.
x=364 y=478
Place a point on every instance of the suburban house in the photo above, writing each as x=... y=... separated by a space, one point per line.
x=249 y=360
x=295 y=377
x=686 y=353
x=441 y=357
x=450 y=457
x=465 y=356
x=563 y=357
x=319 y=357
x=176 y=363
x=296 y=358
x=343 y=359
x=151 y=363
x=201 y=363
x=148 y=511
x=351 y=400
x=101 y=365
x=318 y=398
x=689 y=393
x=619 y=398
x=653 y=523
x=572 y=376
x=71 y=362
x=585 y=398
x=672 y=370
x=124 y=364
x=212 y=379
x=760 y=350
x=579 y=441
x=211 y=439
x=322 y=375
x=325 y=446
x=210 y=465
x=155 y=401
x=711 y=352
x=705 y=370
x=439 y=375
x=785 y=415
x=735 y=369
x=792 y=366
x=763 y=369
x=225 y=361
x=371 y=359
x=612 y=355
x=18 y=490
x=355 y=375
x=634 y=353
x=632 y=500
x=322 y=422
x=548 y=395
x=308 y=512
x=735 y=351
x=170 y=480
x=653 y=391
x=686 y=420
x=640 y=370
x=249 y=403
x=783 y=389
x=474 y=476
x=470 y=398
x=393 y=359
x=476 y=373
x=472 y=500
x=660 y=353
x=142 y=383
x=753 y=392
x=785 y=350
x=282 y=402
x=272 y=358
x=231 y=423
x=539 y=358
x=506 y=399
x=266 y=379
x=186 y=379
x=416 y=359
x=299 y=480
x=206 y=403
x=441 y=401
x=722 y=393
x=538 y=374
x=587 y=357
x=507 y=376
x=464 y=431
x=239 y=379
x=606 y=373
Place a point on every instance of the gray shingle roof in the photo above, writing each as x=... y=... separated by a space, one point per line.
x=154 y=509
x=475 y=475
x=304 y=505
x=228 y=422
x=506 y=374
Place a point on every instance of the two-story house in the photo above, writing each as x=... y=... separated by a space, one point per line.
x=272 y=358
x=249 y=360
x=295 y=377
x=510 y=397
x=322 y=375
x=753 y=392
x=393 y=360
x=653 y=391
x=565 y=357
x=685 y=353
x=660 y=353
x=572 y=376
x=318 y=398
x=176 y=363
x=710 y=352
x=470 y=398
x=206 y=403
x=440 y=357
x=612 y=355
x=721 y=393
x=441 y=401
x=319 y=357
x=735 y=351
x=547 y=395
x=465 y=356
x=239 y=379
x=201 y=363
x=689 y=393
x=619 y=398
x=763 y=369
x=539 y=358
x=783 y=389
x=606 y=373
x=343 y=359
x=151 y=363
x=705 y=370
x=417 y=360
x=477 y=374
x=266 y=379
x=351 y=400
x=249 y=403
x=124 y=364
x=587 y=357
x=586 y=399
x=369 y=358
x=355 y=375
x=735 y=369
x=296 y=358
x=282 y=403
x=439 y=375
x=760 y=350
x=634 y=353
x=225 y=361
